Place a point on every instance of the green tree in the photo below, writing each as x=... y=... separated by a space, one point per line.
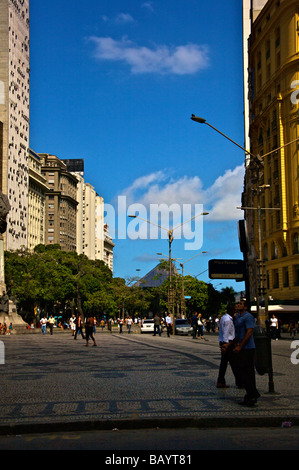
x=51 y=278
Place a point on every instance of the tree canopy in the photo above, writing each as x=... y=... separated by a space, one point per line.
x=52 y=281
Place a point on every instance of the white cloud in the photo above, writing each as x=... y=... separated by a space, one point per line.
x=148 y=6
x=220 y=199
x=179 y=60
x=124 y=18
x=121 y=18
x=225 y=195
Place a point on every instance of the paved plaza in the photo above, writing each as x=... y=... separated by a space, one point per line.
x=132 y=381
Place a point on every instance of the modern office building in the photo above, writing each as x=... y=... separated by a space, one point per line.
x=14 y=116
x=271 y=190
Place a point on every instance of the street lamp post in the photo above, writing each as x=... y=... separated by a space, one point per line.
x=183 y=290
x=170 y=240
x=261 y=291
x=170 y=290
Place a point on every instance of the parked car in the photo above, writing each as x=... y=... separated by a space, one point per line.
x=183 y=327
x=147 y=326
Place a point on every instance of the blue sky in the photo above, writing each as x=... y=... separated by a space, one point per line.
x=115 y=82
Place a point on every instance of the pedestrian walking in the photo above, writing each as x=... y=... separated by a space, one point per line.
x=72 y=323
x=120 y=324
x=293 y=329
x=43 y=324
x=199 y=326
x=168 y=324
x=129 y=324
x=89 y=328
x=194 y=324
x=51 y=322
x=245 y=352
x=79 y=327
x=157 y=325
x=274 y=327
x=226 y=344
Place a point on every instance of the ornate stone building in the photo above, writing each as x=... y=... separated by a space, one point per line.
x=271 y=191
x=61 y=203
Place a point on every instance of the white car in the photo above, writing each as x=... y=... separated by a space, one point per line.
x=147 y=326
x=183 y=327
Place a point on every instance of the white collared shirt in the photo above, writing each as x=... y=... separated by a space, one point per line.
x=226 y=329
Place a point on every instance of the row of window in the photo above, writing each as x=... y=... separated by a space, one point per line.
x=274 y=251
x=284 y=280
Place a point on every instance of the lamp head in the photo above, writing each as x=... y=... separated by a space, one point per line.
x=198 y=119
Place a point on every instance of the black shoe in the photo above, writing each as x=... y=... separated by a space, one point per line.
x=250 y=403
x=220 y=385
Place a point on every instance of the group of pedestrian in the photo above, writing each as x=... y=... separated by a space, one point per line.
x=275 y=324
x=78 y=325
x=47 y=321
x=197 y=325
x=128 y=322
x=4 y=330
x=237 y=346
x=160 y=323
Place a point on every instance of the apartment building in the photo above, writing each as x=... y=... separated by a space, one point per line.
x=61 y=203
x=93 y=239
x=36 y=201
x=104 y=243
x=14 y=116
x=86 y=234
x=271 y=190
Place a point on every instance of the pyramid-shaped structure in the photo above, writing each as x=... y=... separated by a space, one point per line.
x=155 y=277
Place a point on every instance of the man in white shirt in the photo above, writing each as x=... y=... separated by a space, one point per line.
x=226 y=338
x=43 y=324
x=168 y=324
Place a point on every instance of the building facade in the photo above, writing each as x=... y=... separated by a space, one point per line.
x=61 y=203
x=93 y=239
x=36 y=201
x=104 y=243
x=271 y=189
x=14 y=116
x=92 y=235
x=86 y=239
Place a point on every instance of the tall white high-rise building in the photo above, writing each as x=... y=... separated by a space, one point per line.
x=14 y=116
x=93 y=239
x=104 y=243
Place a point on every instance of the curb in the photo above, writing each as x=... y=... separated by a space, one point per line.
x=130 y=424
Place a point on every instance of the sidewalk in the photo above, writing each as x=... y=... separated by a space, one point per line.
x=53 y=383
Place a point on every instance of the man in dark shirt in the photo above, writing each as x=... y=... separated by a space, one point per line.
x=245 y=351
x=157 y=323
